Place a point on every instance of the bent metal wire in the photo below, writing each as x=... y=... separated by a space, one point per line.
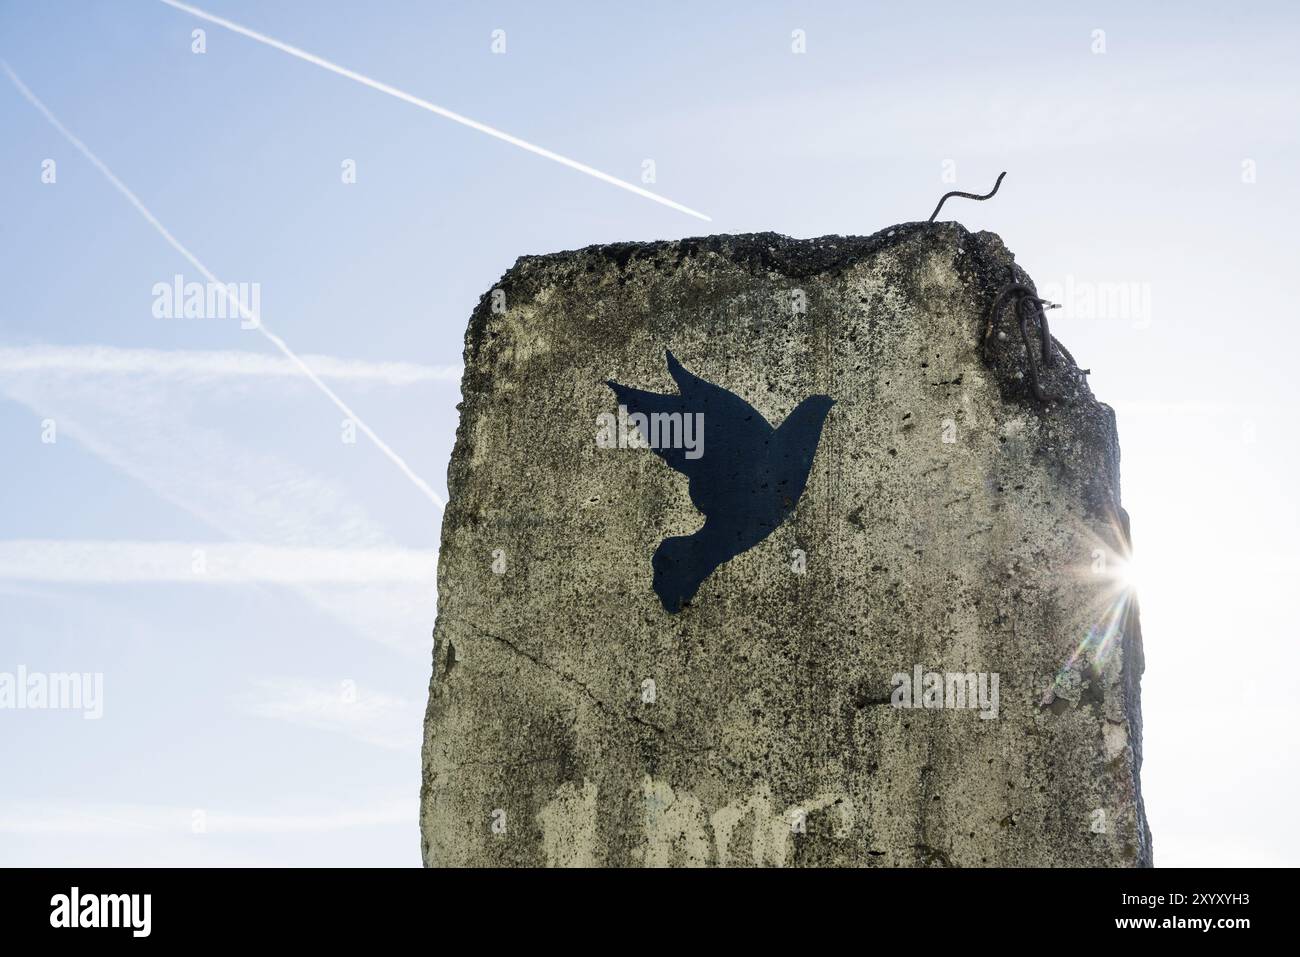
x=956 y=192
x=1027 y=306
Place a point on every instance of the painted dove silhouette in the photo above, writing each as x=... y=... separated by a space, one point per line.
x=745 y=478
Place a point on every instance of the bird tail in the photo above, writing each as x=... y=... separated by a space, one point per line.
x=679 y=570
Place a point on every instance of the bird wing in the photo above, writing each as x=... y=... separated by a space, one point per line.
x=707 y=397
x=652 y=403
x=735 y=435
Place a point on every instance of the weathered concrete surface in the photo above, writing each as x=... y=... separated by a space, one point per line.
x=771 y=738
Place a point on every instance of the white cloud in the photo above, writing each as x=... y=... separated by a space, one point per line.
x=132 y=819
x=310 y=530
x=213 y=364
x=207 y=563
x=375 y=718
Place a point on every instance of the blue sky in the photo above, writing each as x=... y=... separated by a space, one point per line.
x=278 y=703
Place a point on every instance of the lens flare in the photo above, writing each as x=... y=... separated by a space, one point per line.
x=1116 y=575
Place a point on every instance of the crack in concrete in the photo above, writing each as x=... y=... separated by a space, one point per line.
x=600 y=703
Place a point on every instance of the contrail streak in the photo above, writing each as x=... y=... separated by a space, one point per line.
x=207 y=274
x=432 y=107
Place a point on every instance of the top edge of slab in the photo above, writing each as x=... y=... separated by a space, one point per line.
x=769 y=251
